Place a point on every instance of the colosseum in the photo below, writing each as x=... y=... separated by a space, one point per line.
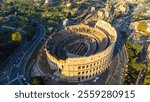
x=79 y=53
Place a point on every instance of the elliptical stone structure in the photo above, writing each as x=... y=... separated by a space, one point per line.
x=79 y=53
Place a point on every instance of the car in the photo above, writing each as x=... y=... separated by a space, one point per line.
x=144 y=72
x=142 y=75
x=28 y=83
x=7 y=77
x=96 y=78
x=94 y=81
x=24 y=79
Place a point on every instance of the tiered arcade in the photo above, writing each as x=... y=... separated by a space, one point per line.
x=79 y=53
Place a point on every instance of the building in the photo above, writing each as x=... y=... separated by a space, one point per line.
x=79 y=53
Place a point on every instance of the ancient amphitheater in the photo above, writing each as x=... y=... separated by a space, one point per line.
x=79 y=53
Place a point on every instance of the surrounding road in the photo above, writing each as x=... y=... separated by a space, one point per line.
x=118 y=75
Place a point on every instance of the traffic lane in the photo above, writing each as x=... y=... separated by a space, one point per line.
x=29 y=52
x=18 y=55
x=122 y=66
x=21 y=71
x=102 y=79
x=118 y=72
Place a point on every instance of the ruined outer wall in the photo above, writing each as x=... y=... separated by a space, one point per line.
x=85 y=68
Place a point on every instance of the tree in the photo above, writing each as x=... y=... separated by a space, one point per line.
x=142 y=26
x=134 y=64
x=37 y=81
x=147 y=80
x=16 y=36
x=148 y=68
x=137 y=65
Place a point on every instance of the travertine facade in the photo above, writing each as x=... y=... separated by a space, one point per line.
x=79 y=53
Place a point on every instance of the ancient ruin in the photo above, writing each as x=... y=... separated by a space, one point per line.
x=79 y=53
